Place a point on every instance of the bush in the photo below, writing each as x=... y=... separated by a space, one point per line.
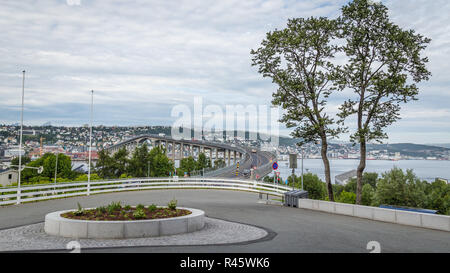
x=140 y=206
x=172 y=204
x=101 y=209
x=367 y=195
x=347 y=197
x=152 y=207
x=400 y=189
x=139 y=214
x=114 y=206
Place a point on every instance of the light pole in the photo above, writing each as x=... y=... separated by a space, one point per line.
x=148 y=169
x=20 y=141
x=303 y=155
x=90 y=145
x=56 y=172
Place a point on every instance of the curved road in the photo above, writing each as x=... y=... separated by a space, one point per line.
x=292 y=229
x=257 y=159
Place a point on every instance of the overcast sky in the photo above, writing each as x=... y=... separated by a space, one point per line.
x=144 y=57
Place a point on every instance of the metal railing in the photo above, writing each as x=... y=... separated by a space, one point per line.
x=31 y=193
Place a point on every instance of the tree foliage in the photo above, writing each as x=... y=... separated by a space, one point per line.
x=298 y=59
x=384 y=64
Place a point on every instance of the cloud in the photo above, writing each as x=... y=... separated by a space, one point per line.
x=144 y=57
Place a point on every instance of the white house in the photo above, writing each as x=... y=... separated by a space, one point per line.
x=7 y=177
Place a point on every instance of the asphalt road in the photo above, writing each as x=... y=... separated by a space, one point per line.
x=291 y=229
x=256 y=159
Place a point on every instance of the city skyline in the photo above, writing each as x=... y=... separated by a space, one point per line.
x=142 y=59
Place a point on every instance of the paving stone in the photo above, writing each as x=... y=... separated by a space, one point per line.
x=216 y=231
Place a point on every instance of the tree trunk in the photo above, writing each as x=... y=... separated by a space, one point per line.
x=360 y=170
x=326 y=164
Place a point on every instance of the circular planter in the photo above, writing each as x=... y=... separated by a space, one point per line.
x=88 y=229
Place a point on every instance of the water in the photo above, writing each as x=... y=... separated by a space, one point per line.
x=424 y=169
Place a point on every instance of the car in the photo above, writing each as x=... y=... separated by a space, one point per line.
x=246 y=173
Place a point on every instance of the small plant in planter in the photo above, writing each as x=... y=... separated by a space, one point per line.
x=139 y=214
x=116 y=212
x=101 y=209
x=172 y=204
x=152 y=207
x=79 y=211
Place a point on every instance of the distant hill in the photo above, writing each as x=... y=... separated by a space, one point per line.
x=410 y=149
x=443 y=145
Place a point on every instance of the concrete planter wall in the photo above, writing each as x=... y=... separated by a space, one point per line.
x=416 y=219
x=60 y=226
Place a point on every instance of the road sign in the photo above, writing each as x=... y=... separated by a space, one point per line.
x=293 y=161
x=275 y=165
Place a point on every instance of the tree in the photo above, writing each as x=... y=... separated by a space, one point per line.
x=187 y=165
x=400 y=189
x=298 y=60
x=105 y=166
x=120 y=159
x=202 y=162
x=15 y=161
x=384 y=65
x=438 y=196
x=315 y=187
x=138 y=164
x=64 y=166
x=367 y=195
x=219 y=163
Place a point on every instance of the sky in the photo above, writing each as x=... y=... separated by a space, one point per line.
x=142 y=58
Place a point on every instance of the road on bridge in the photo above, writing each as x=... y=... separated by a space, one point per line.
x=257 y=159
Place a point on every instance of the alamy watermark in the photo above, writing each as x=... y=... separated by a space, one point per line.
x=261 y=122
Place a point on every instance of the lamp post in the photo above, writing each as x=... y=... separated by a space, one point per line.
x=20 y=141
x=56 y=172
x=90 y=145
x=303 y=155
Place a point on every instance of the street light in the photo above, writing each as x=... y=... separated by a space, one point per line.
x=56 y=171
x=90 y=145
x=20 y=141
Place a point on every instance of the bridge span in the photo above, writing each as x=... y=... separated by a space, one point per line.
x=177 y=149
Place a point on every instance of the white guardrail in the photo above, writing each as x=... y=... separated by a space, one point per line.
x=30 y=193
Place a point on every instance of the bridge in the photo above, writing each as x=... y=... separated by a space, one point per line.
x=177 y=149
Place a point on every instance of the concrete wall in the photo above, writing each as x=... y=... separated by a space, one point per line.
x=424 y=220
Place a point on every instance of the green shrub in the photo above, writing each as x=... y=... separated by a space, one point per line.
x=139 y=214
x=101 y=209
x=347 y=197
x=114 y=206
x=172 y=204
x=127 y=207
x=79 y=211
x=140 y=206
x=152 y=207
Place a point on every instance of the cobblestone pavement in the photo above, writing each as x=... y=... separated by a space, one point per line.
x=33 y=237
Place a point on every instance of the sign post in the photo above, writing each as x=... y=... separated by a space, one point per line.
x=274 y=167
x=293 y=166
